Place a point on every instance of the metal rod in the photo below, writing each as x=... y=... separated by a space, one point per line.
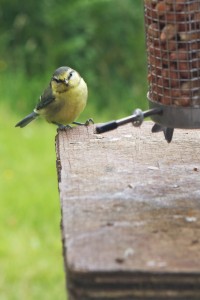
x=137 y=116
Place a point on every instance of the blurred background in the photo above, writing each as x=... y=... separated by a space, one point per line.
x=104 y=41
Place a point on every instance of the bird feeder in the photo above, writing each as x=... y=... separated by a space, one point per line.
x=173 y=51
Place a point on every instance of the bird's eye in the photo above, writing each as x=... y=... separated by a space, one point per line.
x=70 y=75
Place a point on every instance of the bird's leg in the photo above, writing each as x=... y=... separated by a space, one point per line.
x=87 y=122
x=61 y=126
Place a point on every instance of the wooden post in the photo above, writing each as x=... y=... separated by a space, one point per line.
x=130 y=213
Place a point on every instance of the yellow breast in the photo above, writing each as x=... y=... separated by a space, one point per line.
x=67 y=105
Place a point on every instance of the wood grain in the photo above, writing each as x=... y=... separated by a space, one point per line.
x=130 y=213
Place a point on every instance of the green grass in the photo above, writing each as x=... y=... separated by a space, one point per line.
x=30 y=249
x=31 y=261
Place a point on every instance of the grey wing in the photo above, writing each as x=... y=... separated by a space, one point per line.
x=45 y=99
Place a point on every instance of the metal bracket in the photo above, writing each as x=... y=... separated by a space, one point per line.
x=136 y=119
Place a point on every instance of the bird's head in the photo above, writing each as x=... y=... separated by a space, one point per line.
x=64 y=78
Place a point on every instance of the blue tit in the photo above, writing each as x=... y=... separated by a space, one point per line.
x=62 y=101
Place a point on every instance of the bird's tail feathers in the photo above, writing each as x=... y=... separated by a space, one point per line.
x=27 y=120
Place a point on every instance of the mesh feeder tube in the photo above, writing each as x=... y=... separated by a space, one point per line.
x=173 y=50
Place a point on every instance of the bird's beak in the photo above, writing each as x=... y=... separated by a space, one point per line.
x=66 y=82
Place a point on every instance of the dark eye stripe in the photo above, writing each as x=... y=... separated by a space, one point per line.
x=57 y=80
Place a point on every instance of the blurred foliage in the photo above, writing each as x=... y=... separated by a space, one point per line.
x=30 y=249
x=102 y=39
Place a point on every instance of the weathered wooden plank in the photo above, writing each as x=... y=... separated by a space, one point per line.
x=130 y=213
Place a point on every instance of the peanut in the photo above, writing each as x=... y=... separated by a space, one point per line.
x=168 y=32
x=180 y=55
x=182 y=101
x=153 y=30
x=189 y=35
x=170 y=77
x=161 y=8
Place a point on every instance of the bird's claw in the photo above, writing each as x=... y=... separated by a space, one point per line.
x=63 y=127
x=87 y=122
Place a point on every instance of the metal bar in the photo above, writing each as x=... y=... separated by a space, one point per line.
x=137 y=114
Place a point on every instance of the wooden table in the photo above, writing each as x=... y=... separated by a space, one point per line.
x=130 y=213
